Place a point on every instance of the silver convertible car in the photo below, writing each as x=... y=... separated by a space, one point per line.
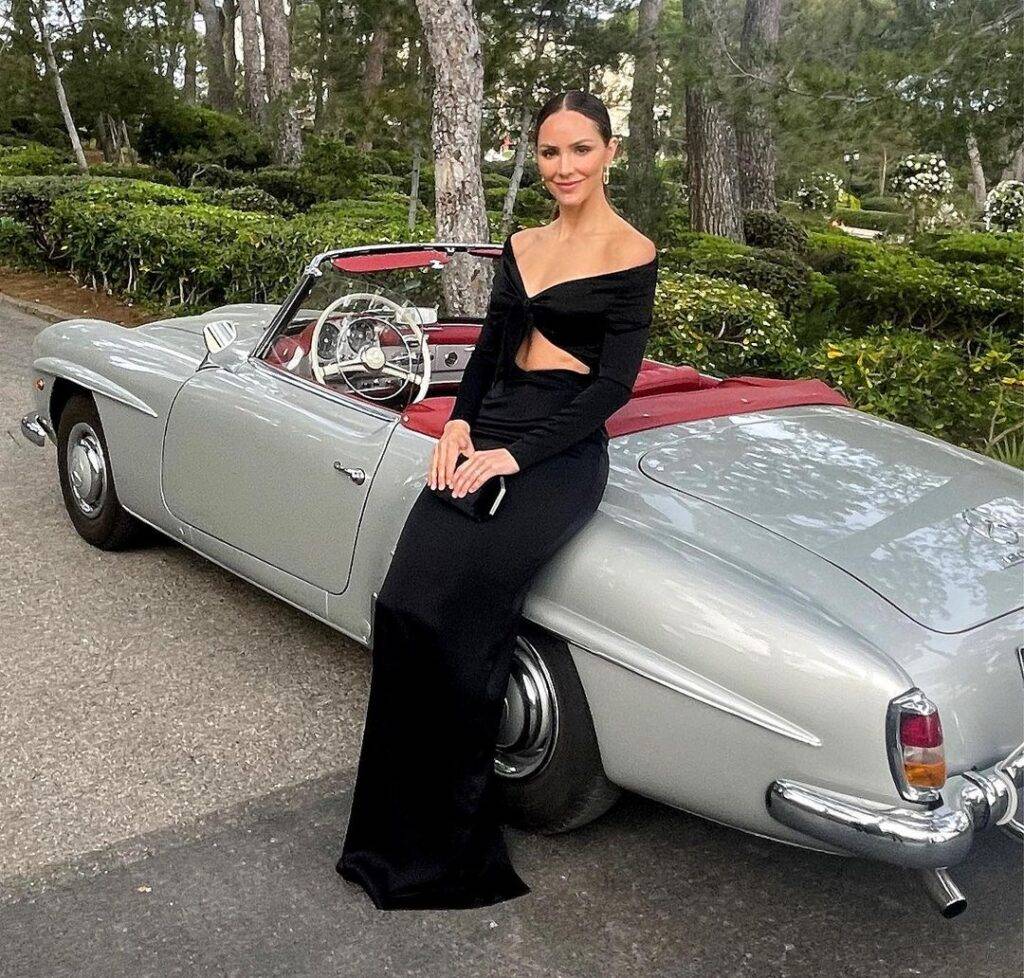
x=787 y=615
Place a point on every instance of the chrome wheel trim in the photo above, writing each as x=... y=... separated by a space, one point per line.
x=529 y=721
x=87 y=470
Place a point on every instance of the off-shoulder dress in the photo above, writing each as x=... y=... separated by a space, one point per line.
x=425 y=825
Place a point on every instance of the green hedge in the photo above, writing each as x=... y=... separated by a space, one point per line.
x=990 y=248
x=872 y=220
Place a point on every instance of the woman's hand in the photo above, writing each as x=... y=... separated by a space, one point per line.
x=454 y=439
x=480 y=467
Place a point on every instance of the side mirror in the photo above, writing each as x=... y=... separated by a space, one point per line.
x=219 y=335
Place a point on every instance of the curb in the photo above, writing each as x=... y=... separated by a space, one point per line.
x=39 y=309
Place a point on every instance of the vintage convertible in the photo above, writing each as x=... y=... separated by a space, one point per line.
x=776 y=602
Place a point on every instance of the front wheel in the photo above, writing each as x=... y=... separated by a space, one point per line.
x=547 y=760
x=86 y=480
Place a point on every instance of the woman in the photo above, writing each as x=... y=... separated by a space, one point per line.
x=569 y=300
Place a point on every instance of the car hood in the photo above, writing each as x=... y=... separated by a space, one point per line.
x=936 y=530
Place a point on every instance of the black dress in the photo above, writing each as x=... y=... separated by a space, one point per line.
x=424 y=829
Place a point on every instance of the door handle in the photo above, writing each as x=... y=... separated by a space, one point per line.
x=358 y=476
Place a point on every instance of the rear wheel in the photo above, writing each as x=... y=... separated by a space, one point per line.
x=86 y=480
x=547 y=759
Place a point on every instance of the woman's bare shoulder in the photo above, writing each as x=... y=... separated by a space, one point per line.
x=634 y=248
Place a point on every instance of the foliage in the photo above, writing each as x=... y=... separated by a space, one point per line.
x=874 y=220
x=890 y=204
x=1004 y=207
x=820 y=191
x=718 y=325
x=30 y=159
x=1005 y=249
x=183 y=137
x=970 y=397
x=768 y=229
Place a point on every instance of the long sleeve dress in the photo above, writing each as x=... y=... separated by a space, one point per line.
x=424 y=829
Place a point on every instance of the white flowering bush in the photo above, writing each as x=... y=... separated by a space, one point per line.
x=923 y=177
x=944 y=215
x=820 y=191
x=1004 y=207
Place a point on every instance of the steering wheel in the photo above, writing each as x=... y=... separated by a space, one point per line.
x=371 y=358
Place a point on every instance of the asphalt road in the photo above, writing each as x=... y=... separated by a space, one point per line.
x=176 y=757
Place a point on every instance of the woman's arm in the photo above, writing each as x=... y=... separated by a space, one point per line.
x=629 y=326
x=483 y=361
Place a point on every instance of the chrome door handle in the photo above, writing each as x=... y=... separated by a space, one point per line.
x=358 y=476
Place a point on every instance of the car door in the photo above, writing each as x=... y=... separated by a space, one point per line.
x=274 y=466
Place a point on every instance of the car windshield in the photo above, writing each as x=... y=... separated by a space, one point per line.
x=360 y=325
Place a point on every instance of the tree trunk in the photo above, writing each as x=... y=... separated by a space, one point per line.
x=254 y=80
x=65 y=111
x=882 y=174
x=230 y=12
x=755 y=140
x=414 y=188
x=373 y=75
x=516 y=178
x=1014 y=170
x=977 y=171
x=191 y=42
x=320 y=75
x=284 y=116
x=643 y=191
x=460 y=214
x=220 y=94
x=715 y=205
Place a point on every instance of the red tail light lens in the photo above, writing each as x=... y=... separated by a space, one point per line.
x=917 y=754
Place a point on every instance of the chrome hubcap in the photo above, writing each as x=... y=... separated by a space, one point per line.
x=529 y=723
x=87 y=470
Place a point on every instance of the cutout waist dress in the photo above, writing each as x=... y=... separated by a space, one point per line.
x=603 y=320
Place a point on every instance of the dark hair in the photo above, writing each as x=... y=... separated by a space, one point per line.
x=586 y=104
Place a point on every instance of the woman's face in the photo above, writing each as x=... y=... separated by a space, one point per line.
x=571 y=157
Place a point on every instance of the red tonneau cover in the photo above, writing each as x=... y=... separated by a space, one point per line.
x=666 y=394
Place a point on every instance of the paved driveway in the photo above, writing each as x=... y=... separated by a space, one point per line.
x=176 y=754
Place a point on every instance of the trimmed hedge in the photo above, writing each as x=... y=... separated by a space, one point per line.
x=873 y=220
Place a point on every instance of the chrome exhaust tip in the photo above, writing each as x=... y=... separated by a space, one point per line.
x=945 y=894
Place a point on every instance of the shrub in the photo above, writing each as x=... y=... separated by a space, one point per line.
x=294 y=186
x=719 y=326
x=17 y=245
x=766 y=229
x=830 y=252
x=930 y=384
x=820 y=191
x=138 y=171
x=889 y=204
x=29 y=159
x=874 y=220
x=248 y=199
x=981 y=249
x=181 y=137
x=1004 y=207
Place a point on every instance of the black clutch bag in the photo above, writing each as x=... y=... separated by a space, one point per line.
x=481 y=504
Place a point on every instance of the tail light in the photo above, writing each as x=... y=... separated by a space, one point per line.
x=916 y=753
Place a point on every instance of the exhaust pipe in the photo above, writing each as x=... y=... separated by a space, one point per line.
x=945 y=894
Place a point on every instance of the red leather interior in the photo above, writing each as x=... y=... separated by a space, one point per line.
x=663 y=393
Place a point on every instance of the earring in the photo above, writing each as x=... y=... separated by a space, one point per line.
x=607 y=170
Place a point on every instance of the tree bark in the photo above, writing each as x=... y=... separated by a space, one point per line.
x=65 y=111
x=977 y=171
x=715 y=204
x=230 y=12
x=220 y=92
x=755 y=140
x=643 y=202
x=516 y=177
x=191 y=42
x=1014 y=170
x=255 y=83
x=453 y=41
x=320 y=75
x=283 y=112
x=373 y=75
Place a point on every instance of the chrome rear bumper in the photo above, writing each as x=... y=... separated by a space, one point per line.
x=36 y=428
x=916 y=837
